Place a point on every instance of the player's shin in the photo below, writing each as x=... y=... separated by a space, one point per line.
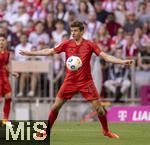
x=6 y=108
x=103 y=120
x=52 y=117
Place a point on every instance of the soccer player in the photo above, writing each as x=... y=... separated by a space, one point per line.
x=80 y=80
x=5 y=88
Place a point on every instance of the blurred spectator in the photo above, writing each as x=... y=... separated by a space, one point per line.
x=71 y=5
x=39 y=35
x=93 y=24
x=12 y=6
x=112 y=25
x=30 y=27
x=83 y=11
x=131 y=5
x=118 y=82
x=120 y=13
x=142 y=76
x=143 y=59
x=11 y=9
x=117 y=41
x=148 y=6
x=17 y=30
x=146 y=27
x=41 y=12
x=130 y=50
x=138 y=36
x=101 y=13
x=71 y=17
x=61 y=12
x=145 y=40
x=131 y=23
x=5 y=26
x=32 y=5
x=21 y=16
x=109 y=5
x=58 y=32
x=103 y=39
x=2 y=9
x=24 y=76
x=49 y=23
x=90 y=5
x=87 y=34
x=143 y=16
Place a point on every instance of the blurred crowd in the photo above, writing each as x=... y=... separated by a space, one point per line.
x=119 y=27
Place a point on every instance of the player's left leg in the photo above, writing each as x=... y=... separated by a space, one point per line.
x=6 y=108
x=59 y=102
x=7 y=93
x=102 y=116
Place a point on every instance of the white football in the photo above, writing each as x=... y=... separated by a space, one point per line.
x=73 y=63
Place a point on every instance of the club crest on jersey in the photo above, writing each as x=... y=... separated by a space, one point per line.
x=71 y=49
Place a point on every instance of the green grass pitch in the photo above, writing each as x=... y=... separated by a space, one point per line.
x=72 y=133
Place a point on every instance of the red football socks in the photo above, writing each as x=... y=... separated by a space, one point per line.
x=6 y=108
x=52 y=117
x=103 y=121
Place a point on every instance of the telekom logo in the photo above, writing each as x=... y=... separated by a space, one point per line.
x=122 y=115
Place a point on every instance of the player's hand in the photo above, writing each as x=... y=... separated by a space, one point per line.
x=24 y=52
x=128 y=62
x=15 y=74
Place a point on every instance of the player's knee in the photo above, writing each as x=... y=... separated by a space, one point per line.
x=8 y=96
x=100 y=111
x=56 y=107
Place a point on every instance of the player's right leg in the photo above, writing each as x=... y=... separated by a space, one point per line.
x=90 y=93
x=102 y=116
x=52 y=116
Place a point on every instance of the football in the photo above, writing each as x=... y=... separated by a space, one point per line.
x=73 y=63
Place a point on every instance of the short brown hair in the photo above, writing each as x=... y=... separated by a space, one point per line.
x=3 y=35
x=78 y=24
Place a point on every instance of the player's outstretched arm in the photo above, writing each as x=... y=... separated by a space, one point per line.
x=43 y=52
x=115 y=60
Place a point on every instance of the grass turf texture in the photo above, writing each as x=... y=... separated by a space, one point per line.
x=72 y=133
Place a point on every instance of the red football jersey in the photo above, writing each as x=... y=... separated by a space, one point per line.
x=84 y=50
x=4 y=60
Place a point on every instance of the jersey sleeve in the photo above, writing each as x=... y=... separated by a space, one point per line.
x=60 y=47
x=95 y=49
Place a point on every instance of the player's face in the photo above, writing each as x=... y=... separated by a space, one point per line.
x=3 y=43
x=76 y=33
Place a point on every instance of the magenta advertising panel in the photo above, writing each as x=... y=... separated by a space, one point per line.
x=129 y=114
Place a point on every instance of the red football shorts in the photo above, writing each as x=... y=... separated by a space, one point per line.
x=5 y=87
x=87 y=89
